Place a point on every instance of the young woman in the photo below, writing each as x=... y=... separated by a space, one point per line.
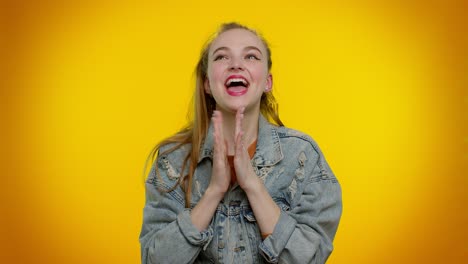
x=236 y=186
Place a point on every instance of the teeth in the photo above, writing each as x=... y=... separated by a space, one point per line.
x=236 y=80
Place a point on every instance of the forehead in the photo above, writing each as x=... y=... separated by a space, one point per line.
x=237 y=39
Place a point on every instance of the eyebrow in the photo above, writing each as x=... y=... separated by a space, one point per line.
x=246 y=48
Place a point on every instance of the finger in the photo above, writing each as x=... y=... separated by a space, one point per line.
x=239 y=118
x=214 y=119
x=218 y=128
x=215 y=123
x=221 y=142
x=240 y=148
x=219 y=146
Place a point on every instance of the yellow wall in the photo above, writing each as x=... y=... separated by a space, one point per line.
x=90 y=88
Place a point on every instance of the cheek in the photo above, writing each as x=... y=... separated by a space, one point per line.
x=260 y=74
x=215 y=73
x=259 y=69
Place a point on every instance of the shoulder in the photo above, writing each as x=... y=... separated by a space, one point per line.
x=296 y=143
x=174 y=151
x=300 y=145
x=172 y=156
x=295 y=139
x=167 y=168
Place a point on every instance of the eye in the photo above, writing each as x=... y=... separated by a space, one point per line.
x=252 y=57
x=220 y=57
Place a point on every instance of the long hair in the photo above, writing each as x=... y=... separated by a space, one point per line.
x=195 y=131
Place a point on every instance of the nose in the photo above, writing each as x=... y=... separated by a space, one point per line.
x=236 y=64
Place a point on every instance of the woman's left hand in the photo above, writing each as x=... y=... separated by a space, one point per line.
x=265 y=209
x=246 y=176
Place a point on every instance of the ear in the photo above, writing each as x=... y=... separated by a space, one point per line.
x=206 y=85
x=269 y=83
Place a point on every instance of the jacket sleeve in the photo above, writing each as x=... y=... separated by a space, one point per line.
x=304 y=233
x=167 y=234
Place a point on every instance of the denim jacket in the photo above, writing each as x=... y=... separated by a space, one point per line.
x=297 y=177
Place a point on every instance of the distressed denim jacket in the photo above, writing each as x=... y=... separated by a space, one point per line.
x=296 y=175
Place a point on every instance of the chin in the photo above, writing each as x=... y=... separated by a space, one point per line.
x=231 y=108
x=233 y=104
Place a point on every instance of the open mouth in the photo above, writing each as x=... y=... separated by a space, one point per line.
x=236 y=85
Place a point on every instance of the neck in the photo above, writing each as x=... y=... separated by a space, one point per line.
x=249 y=127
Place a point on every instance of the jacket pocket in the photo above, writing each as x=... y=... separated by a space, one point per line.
x=249 y=216
x=282 y=203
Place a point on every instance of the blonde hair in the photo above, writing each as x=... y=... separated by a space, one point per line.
x=196 y=129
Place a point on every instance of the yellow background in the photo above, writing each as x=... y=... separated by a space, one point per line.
x=90 y=86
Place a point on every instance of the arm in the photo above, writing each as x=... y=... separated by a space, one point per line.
x=203 y=212
x=205 y=209
x=168 y=235
x=266 y=211
x=305 y=233
x=171 y=233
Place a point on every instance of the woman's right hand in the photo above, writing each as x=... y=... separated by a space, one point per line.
x=203 y=212
x=221 y=172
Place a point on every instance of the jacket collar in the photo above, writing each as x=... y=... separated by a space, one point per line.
x=268 y=151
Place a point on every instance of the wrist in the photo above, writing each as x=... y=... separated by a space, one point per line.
x=213 y=193
x=254 y=185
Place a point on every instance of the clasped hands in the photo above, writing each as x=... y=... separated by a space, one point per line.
x=221 y=172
